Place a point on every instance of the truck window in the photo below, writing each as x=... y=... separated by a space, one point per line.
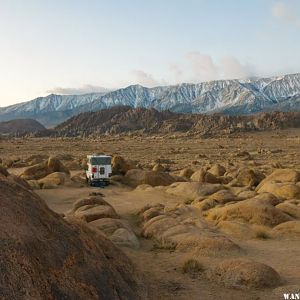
x=100 y=160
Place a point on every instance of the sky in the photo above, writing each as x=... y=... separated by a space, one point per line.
x=82 y=46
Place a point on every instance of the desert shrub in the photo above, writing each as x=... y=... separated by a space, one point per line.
x=188 y=201
x=192 y=266
x=96 y=194
x=261 y=233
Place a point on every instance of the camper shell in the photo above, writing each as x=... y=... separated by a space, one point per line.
x=99 y=169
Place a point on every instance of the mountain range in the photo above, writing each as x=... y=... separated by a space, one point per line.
x=233 y=97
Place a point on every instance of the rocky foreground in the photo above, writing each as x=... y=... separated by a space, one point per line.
x=44 y=257
x=214 y=208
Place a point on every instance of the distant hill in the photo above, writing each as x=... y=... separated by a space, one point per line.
x=124 y=119
x=233 y=97
x=20 y=127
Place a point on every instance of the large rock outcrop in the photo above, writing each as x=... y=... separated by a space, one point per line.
x=120 y=166
x=137 y=177
x=193 y=190
x=44 y=257
x=281 y=175
x=243 y=273
x=179 y=228
x=101 y=217
x=43 y=169
x=254 y=211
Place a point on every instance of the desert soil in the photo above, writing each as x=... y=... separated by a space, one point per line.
x=162 y=269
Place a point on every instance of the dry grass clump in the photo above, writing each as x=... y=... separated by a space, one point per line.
x=192 y=266
x=188 y=201
x=261 y=232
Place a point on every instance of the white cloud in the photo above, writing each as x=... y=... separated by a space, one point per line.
x=85 y=89
x=230 y=67
x=143 y=78
x=175 y=71
x=199 y=67
x=283 y=12
x=202 y=66
x=194 y=67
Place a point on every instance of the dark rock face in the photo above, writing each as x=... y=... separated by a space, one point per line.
x=124 y=119
x=44 y=257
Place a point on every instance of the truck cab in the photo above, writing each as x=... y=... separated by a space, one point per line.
x=98 y=169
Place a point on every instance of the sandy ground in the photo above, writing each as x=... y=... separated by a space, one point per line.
x=162 y=269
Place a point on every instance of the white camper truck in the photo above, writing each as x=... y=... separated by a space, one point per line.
x=98 y=169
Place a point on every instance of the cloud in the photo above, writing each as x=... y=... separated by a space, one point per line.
x=85 y=89
x=175 y=71
x=194 y=67
x=283 y=12
x=143 y=78
x=199 y=67
x=230 y=67
x=202 y=66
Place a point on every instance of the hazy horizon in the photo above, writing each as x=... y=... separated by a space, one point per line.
x=71 y=47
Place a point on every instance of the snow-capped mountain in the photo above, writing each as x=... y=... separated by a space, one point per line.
x=56 y=107
x=231 y=96
x=50 y=103
x=228 y=96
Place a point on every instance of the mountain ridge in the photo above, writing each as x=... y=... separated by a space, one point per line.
x=125 y=119
x=235 y=96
